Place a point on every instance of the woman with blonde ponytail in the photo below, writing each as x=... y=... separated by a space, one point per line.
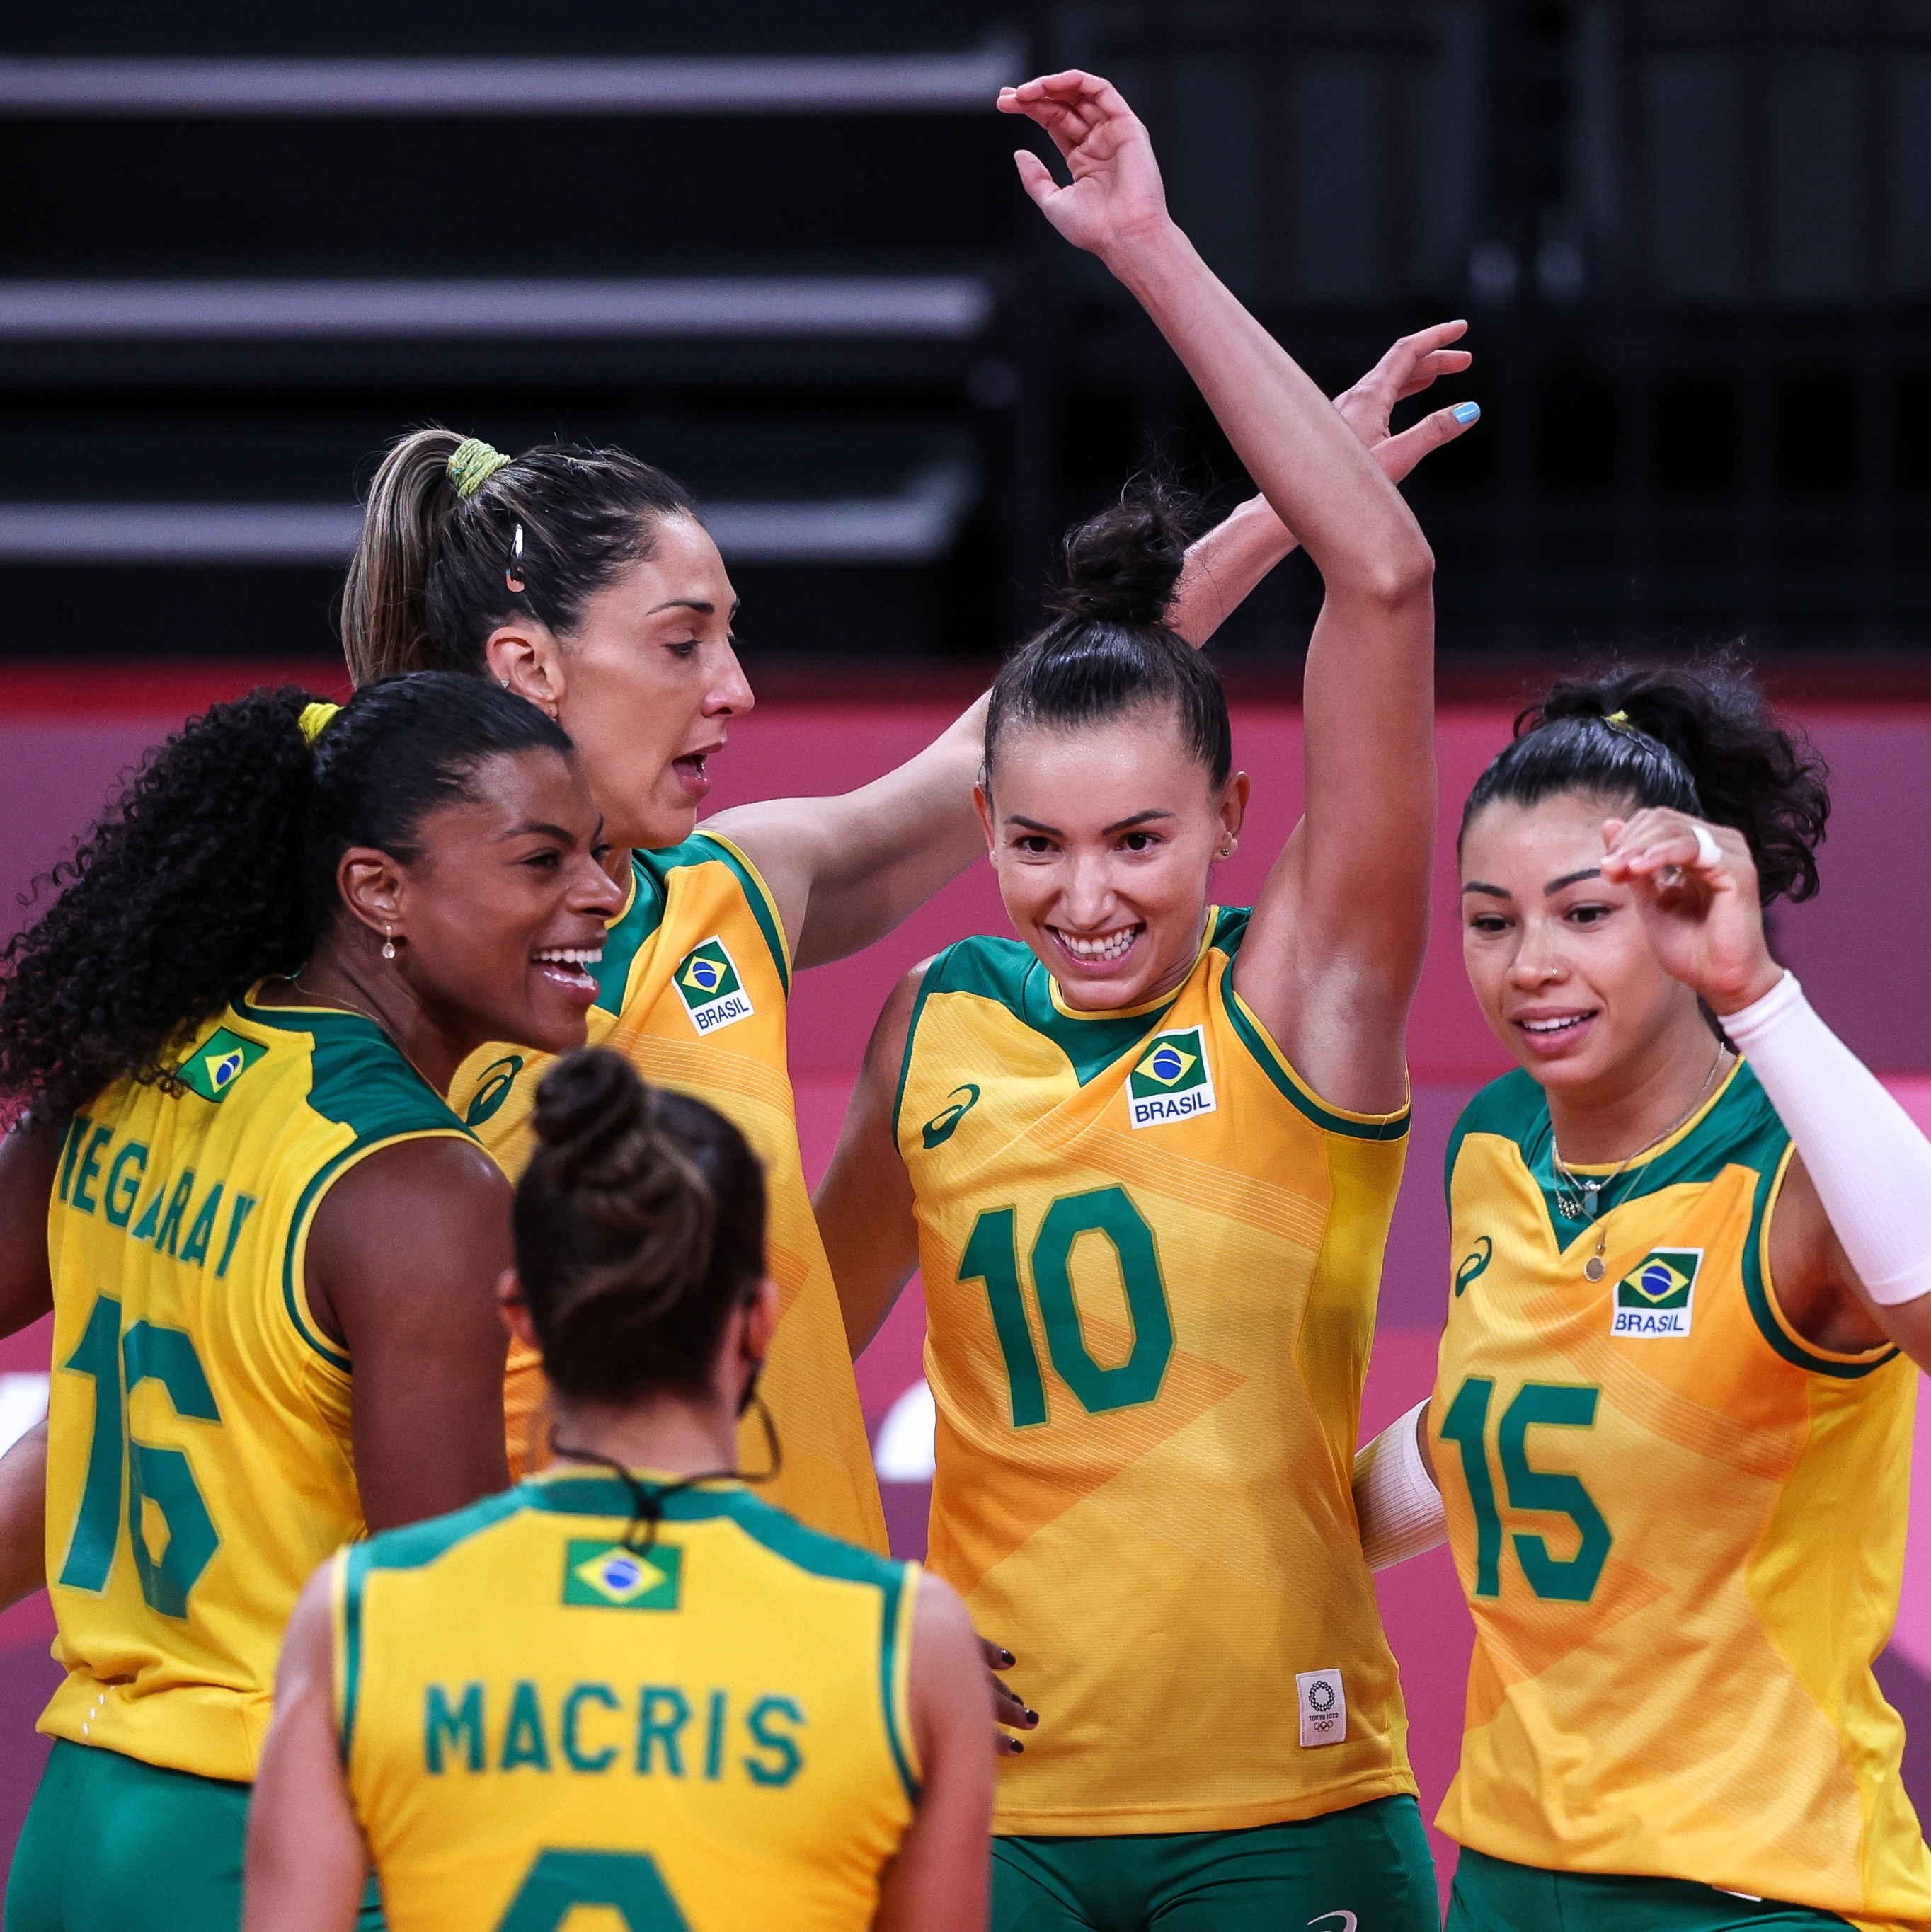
x=583 y=581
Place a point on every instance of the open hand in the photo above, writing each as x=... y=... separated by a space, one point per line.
x=1009 y=1710
x=1695 y=885
x=1412 y=364
x=1115 y=192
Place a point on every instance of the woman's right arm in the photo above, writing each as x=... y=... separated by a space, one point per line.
x=864 y=1203
x=28 y=1157
x=941 y=1879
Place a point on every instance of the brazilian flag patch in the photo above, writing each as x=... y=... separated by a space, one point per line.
x=1171 y=1080
x=708 y=982
x=218 y=1063
x=612 y=1577
x=1658 y=1296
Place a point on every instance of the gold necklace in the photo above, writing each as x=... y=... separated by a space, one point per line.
x=362 y=1013
x=1589 y=1193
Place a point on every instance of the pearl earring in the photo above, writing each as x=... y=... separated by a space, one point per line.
x=388 y=942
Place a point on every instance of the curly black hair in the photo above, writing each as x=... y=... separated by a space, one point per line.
x=1701 y=739
x=216 y=868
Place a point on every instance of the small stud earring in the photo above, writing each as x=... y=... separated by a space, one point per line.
x=388 y=942
x=552 y=709
x=504 y=682
x=1227 y=851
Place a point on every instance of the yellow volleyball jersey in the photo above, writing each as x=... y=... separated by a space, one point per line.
x=1151 y=1257
x=199 y=1459
x=696 y=981
x=1680 y=1527
x=709 y=1733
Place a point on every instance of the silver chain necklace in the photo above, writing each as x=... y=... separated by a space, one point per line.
x=1586 y=1202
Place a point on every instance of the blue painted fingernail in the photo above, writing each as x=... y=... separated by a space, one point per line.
x=1467 y=412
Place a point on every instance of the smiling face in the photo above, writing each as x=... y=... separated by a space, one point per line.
x=1559 y=958
x=1103 y=837
x=503 y=908
x=648 y=683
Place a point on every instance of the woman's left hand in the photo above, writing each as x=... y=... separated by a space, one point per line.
x=1695 y=885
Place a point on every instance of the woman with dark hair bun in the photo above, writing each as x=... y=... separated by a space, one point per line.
x=1145 y=1154
x=583 y=581
x=1670 y=1438
x=792 y=1732
x=269 y=1246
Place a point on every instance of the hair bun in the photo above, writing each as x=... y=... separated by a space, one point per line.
x=1120 y=566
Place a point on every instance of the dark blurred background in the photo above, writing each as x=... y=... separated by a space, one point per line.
x=782 y=251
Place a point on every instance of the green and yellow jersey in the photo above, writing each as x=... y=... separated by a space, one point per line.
x=199 y=1461
x=695 y=983
x=537 y=1714
x=1151 y=1257
x=1680 y=1527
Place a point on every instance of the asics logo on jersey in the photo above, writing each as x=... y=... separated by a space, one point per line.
x=493 y=1089
x=1658 y=1296
x=1346 y=1921
x=711 y=987
x=938 y=1130
x=1171 y=1081
x=1475 y=1263
x=218 y=1063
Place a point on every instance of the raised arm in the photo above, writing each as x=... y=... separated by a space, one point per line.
x=1336 y=945
x=847 y=868
x=402 y=1266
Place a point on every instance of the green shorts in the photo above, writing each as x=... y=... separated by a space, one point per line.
x=1368 y=1867
x=111 y=1843
x=1492 y=1895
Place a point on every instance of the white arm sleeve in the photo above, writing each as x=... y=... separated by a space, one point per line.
x=1871 y=1165
x=1400 y=1508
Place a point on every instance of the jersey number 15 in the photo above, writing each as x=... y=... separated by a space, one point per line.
x=1555 y=1405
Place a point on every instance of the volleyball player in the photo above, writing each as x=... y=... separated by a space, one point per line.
x=269 y=1247
x=1146 y=1154
x=1672 y=1425
x=681 y=1706
x=582 y=580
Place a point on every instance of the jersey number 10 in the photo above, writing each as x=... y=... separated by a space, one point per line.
x=991 y=1255
x=1555 y=1405
x=118 y=1365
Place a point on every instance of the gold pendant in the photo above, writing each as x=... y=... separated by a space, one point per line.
x=1595 y=1267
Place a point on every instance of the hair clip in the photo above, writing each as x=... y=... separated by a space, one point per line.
x=513 y=576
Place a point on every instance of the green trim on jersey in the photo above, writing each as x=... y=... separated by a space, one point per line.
x=1229 y=930
x=358 y=1077
x=1740 y=1129
x=1010 y=974
x=623 y=938
x=649 y=892
x=757 y=896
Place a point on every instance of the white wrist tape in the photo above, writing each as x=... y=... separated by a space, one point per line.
x=1400 y=1508
x=1871 y=1166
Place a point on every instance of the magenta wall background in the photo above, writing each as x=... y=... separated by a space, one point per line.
x=1860 y=948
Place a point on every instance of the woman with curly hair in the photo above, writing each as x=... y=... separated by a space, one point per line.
x=269 y=1247
x=1672 y=1422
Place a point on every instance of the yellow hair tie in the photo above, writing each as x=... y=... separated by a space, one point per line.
x=315 y=719
x=1620 y=718
x=472 y=463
